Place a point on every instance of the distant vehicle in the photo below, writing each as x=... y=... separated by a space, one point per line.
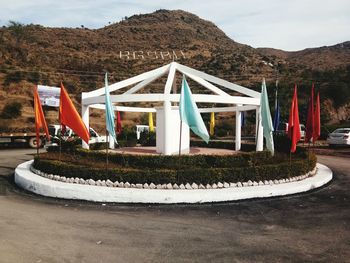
x=142 y=128
x=284 y=130
x=340 y=136
x=11 y=138
x=55 y=131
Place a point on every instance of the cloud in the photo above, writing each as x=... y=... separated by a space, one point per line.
x=289 y=25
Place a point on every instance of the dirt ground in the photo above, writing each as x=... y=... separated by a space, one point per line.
x=312 y=227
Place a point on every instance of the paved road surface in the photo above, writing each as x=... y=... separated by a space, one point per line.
x=311 y=227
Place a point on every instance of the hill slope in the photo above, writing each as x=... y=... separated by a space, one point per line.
x=34 y=54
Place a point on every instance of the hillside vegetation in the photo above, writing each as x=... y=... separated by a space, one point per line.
x=33 y=54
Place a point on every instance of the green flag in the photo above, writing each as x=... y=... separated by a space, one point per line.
x=189 y=112
x=266 y=120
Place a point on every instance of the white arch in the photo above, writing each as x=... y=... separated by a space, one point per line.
x=237 y=104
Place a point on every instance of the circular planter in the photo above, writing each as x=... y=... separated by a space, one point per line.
x=32 y=182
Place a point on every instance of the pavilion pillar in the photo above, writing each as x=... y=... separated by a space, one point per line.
x=238 y=130
x=259 y=132
x=85 y=116
x=167 y=127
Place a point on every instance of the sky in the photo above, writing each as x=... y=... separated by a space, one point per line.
x=283 y=24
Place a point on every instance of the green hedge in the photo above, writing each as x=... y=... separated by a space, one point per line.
x=183 y=161
x=207 y=169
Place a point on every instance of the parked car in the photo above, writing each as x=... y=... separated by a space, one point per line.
x=283 y=129
x=55 y=131
x=340 y=136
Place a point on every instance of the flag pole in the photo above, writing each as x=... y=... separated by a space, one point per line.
x=180 y=137
x=107 y=144
x=60 y=136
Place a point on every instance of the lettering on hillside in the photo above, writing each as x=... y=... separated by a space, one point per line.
x=163 y=55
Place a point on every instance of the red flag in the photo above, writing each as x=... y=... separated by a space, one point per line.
x=119 y=123
x=39 y=117
x=310 y=117
x=293 y=123
x=70 y=117
x=317 y=125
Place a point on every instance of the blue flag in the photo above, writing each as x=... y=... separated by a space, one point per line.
x=189 y=112
x=276 y=118
x=266 y=120
x=110 y=116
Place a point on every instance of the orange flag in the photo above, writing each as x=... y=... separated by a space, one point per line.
x=293 y=123
x=39 y=117
x=70 y=117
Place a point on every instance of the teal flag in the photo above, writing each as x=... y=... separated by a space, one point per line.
x=266 y=120
x=110 y=116
x=189 y=112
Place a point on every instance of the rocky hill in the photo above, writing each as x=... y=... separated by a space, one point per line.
x=33 y=54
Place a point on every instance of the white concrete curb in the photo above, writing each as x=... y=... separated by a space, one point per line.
x=47 y=187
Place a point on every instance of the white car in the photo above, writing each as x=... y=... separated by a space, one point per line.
x=340 y=136
x=55 y=130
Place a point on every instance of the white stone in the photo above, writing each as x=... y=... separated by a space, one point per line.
x=280 y=181
x=159 y=186
x=255 y=183
x=133 y=185
x=109 y=183
x=188 y=186
x=239 y=184
x=214 y=186
x=169 y=186
x=194 y=186
x=81 y=181
x=287 y=180
x=276 y=181
x=201 y=186
x=250 y=183
x=76 y=180
x=56 y=177
x=261 y=183
x=182 y=186
x=91 y=182
x=245 y=184
x=146 y=186
x=208 y=186
x=63 y=179
x=98 y=182
x=152 y=186
x=266 y=182
x=164 y=186
x=127 y=185
x=233 y=185
x=50 y=176
x=220 y=185
x=175 y=186
x=270 y=182
x=283 y=180
x=139 y=186
x=226 y=185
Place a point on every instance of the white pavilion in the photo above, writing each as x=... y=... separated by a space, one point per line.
x=167 y=115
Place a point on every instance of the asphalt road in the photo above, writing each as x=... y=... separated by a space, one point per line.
x=312 y=227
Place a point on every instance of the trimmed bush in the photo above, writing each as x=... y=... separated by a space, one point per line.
x=202 y=169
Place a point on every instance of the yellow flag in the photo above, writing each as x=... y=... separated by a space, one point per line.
x=150 y=122
x=212 y=123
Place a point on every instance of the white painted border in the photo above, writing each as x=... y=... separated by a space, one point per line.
x=46 y=187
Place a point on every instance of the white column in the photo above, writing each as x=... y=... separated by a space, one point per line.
x=111 y=141
x=238 y=130
x=259 y=132
x=85 y=116
x=167 y=127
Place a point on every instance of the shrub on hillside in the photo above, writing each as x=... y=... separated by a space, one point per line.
x=12 y=110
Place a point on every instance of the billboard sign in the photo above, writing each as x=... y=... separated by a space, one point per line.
x=49 y=96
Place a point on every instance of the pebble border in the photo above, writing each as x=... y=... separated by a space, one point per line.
x=169 y=186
